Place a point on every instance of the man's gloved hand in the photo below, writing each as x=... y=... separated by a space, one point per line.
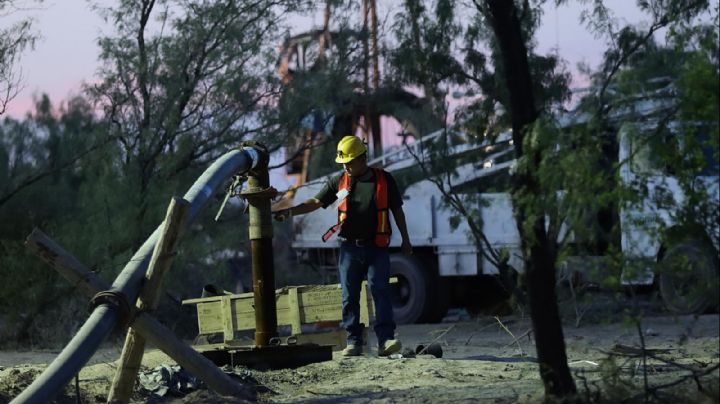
x=282 y=214
x=406 y=247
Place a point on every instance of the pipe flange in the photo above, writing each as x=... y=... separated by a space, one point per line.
x=254 y=144
x=255 y=193
x=261 y=149
x=116 y=300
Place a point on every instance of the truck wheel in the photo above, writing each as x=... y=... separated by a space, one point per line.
x=688 y=275
x=410 y=293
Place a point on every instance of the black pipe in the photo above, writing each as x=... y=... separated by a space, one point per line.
x=264 y=291
x=105 y=316
x=263 y=272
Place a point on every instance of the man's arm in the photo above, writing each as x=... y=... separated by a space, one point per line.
x=324 y=198
x=399 y=217
x=308 y=206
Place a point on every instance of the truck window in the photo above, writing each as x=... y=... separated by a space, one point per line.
x=710 y=152
x=644 y=161
x=653 y=156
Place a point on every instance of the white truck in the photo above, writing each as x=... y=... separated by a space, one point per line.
x=447 y=268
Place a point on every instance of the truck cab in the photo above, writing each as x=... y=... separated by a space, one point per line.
x=671 y=233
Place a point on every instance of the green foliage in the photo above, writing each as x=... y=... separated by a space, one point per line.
x=15 y=38
x=483 y=73
x=178 y=99
x=424 y=52
x=40 y=148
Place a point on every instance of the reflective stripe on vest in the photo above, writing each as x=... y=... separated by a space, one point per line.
x=382 y=232
x=383 y=229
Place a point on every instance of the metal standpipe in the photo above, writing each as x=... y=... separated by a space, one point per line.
x=114 y=305
x=269 y=352
x=258 y=195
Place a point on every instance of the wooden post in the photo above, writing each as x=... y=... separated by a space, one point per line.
x=374 y=116
x=228 y=319
x=365 y=304
x=294 y=306
x=89 y=283
x=132 y=353
x=366 y=76
x=374 y=39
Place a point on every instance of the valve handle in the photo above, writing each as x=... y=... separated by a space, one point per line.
x=233 y=190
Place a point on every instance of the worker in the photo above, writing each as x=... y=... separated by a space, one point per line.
x=366 y=196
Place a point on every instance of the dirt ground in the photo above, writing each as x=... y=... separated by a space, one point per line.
x=482 y=361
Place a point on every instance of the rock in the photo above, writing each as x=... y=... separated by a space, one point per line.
x=165 y=379
x=433 y=349
x=433 y=373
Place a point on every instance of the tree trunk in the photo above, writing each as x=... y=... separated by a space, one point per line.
x=538 y=250
x=374 y=117
x=325 y=38
x=366 y=72
x=414 y=10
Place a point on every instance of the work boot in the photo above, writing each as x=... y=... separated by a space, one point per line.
x=352 y=350
x=389 y=347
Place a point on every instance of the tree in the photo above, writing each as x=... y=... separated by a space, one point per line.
x=423 y=54
x=180 y=90
x=14 y=40
x=539 y=250
x=526 y=85
x=427 y=55
x=21 y=141
x=43 y=179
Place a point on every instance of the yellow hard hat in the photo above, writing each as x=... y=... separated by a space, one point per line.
x=349 y=148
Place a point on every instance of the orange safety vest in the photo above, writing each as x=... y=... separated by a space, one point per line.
x=382 y=230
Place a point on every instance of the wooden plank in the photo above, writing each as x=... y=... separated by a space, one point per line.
x=215 y=323
x=315 y=303
x=209 y=317
x=294 y=306
x=228 y=319
x=81 y=278
x=335 y=338
x=364 y=313
x=318 y=293
x=245 y=304
x=134 y=347
x=208 y=299
x=321 y=297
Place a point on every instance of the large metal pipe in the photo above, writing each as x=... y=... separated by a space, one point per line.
x=105 y=316
x=261 y=233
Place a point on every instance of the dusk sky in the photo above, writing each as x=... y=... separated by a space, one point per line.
x=66 y=55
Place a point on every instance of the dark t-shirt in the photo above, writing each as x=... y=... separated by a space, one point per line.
x=361 y=221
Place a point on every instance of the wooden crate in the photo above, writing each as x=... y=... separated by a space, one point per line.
x=296 y=305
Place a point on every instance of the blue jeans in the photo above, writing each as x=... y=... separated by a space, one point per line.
x=355 y=263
